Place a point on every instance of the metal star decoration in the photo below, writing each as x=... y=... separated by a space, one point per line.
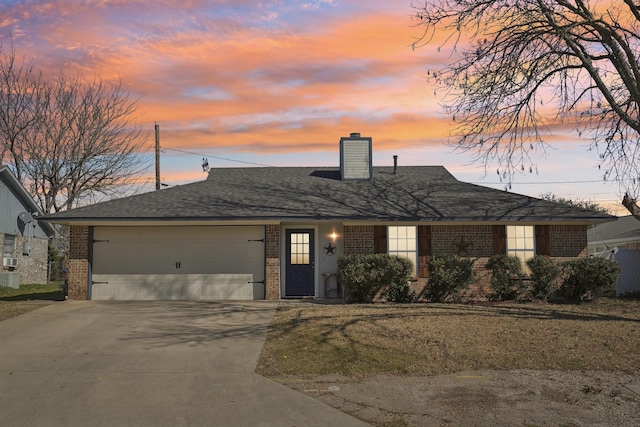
x=463 y=246
x=330 y=249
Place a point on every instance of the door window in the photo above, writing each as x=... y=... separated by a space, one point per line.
x=300 y=248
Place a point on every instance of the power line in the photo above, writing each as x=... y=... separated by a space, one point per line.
x=476 y=182
x=216 y=157
x=547 y=182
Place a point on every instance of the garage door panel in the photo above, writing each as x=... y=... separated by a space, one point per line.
x=177 y=287
x=187 y=263
x=126 y=291
x=103 y=292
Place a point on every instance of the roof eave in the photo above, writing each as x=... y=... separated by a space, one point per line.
x=26 y=198
x=80 y=221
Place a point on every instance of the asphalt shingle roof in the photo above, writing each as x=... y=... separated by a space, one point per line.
x=415 y=193
x=624 y=228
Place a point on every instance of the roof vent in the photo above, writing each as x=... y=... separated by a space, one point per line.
x=355 y=157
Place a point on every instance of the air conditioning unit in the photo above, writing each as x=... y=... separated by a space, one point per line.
x=10 y=280
x=9 y=262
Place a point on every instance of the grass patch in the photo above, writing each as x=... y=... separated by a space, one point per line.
x=432 y=339
x=14 y=302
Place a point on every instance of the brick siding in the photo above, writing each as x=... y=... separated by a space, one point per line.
x=358 y=239
x=272 y=262
x=568 y=241
x=78 y=261
x=445 y=237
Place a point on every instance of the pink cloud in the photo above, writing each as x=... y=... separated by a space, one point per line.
x=245 y=77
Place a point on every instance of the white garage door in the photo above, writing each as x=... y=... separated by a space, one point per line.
x=178 y=263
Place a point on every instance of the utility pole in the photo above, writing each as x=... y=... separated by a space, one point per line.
x=157 y=126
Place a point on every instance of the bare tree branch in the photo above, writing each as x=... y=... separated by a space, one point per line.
x=632 y=206
x=68 y=139
x=520 y=66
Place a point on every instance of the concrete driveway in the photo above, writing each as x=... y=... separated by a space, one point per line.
x=86 y=363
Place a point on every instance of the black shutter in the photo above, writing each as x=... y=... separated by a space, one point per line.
x=542 y=240
x=499 y=239
x=380 y=239
x=424 y=250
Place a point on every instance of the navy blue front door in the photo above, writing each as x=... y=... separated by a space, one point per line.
x=300 y=263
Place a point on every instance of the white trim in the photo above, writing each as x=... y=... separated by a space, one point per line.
x=160 y=223
x=540 y=221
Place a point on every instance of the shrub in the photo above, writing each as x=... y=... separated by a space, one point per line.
x=362 y=276
x=505 y=276
x=397 y=284
x=545 y=273
x=448 y=275
x=588 y=273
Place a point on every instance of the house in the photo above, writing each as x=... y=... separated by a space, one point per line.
x=619 y=240
x=23 y=239
x=276 y=232
x=623 y=233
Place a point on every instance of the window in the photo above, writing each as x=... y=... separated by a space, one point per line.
x=9 y=245
x=521 y=243
x=402 y=242
x=300 y=248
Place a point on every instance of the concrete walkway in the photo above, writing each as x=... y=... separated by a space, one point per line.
x=86 y=363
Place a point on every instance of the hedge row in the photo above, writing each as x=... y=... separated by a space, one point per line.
x=365 y=276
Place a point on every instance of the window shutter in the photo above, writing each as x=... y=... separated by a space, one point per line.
x=499 y=239
x=542 y=240
x=380 y=239
x=424 y=250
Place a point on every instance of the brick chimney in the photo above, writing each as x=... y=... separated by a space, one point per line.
x=355 y=158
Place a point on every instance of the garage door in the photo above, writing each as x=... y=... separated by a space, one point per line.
x=178 y=263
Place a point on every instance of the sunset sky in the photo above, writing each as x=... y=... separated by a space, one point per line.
x=276 y=82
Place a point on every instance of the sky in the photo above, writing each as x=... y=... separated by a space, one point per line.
x=277 y=83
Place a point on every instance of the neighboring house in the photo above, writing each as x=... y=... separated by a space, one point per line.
x=619 y=240
x=23 y=239
x=276 y=232
x=623 y=233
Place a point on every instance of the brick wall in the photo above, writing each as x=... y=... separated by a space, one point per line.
x=357 y=239
x=272 y=262
x=78 y=262
x=446 y=238
x=568 y=241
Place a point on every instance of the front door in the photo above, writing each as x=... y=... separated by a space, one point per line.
x=300 y=263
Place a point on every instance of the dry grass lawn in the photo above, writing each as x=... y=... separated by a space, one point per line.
x=432 y=339
x=14 y=302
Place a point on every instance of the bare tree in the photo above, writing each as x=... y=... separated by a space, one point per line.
x=20 y=89
x=584 y=204
x=520 y=67
x=67 y=139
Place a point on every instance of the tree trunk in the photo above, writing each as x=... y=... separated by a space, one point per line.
x=632 y=206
